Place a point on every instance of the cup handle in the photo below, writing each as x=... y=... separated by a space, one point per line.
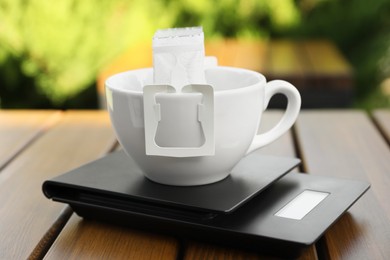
x=289 y=117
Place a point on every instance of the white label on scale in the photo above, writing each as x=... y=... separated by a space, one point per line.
x=302 y=204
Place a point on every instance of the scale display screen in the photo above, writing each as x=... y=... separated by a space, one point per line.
x=302 y=204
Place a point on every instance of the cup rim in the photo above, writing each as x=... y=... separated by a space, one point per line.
x=143 y=71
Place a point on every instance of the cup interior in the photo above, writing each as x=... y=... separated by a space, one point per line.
x=221 y=78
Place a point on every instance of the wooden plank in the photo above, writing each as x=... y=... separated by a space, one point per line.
x=216 y=48
x=251 y=54
x=329 y=69
x=25 y=214
x=205 y=251
x=382 y=119
x=224 y=50
x=109 y=241
x=325 y=58
x=284 y=60
x=346 y=144
x=282 y=147
x=19 y=128
x=88 y=239
x=197 y=250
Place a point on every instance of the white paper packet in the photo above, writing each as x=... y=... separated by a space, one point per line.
x=178 y=57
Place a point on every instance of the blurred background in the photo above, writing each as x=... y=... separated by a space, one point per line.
x=52 y=52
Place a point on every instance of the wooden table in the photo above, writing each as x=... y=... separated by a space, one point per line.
x=317 y=68
x=38 y=145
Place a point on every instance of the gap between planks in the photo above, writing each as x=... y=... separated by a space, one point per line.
x=48 y=122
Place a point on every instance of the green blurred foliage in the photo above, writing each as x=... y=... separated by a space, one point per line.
x=361 y=29
x=56 y=49
x=51 y=52
x=232 y=18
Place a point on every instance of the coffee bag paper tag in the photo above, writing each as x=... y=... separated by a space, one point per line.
x=204 y=117
x=185 y=130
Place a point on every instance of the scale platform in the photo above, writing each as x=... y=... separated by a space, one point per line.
x=258 y=207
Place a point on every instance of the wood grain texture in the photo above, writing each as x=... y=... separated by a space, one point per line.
x=25 y=214
x=88 y=239
x=94 y=240
x=285 y=60
x=19 y=128
x=224 y=50
x=197 y=251
x=250 y=54
x=382 y=119
x=328 y=69
x=51 y=234
x=346 y=144
x=325 y=58
x=339 y=143
x=284 y=146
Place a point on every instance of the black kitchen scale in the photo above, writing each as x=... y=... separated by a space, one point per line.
x=258 y=206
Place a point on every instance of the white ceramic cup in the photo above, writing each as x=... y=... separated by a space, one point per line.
x=240 y=97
